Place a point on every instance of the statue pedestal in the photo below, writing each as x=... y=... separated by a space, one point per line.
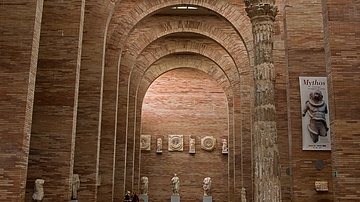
x=207 y=198
x=175 y=198
x=143 y=198
x=74 y=200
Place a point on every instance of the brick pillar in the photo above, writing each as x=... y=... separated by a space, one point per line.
x=130 y=141
x=266 y=154
x=88 y=136
x=106 y=190
x=19 y=39
x=55 y=102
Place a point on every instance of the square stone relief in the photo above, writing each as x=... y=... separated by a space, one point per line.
x=145 y=142
x=176 y=142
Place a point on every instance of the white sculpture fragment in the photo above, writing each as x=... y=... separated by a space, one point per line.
x=38 y=190
x=75 y=185
x=191 y=145
x=224 y=147
x=207 y=186
x=145 y=141
x=144 y=185
x=159 y=145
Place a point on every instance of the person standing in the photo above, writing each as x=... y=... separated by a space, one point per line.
x=134 y=197
x=127 y=197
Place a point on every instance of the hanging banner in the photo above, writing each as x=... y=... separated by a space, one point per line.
x=315 y=113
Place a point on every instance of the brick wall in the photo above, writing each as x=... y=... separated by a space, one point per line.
x=342 y=67
x=19 y=39
x=305 y=56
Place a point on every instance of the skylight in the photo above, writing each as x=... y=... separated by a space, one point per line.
x=184 y=8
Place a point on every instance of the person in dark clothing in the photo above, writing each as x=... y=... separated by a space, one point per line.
x=127 y=197
x=134 y=197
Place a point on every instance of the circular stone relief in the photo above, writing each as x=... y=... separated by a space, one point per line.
x=208 y=143
x=175 y=143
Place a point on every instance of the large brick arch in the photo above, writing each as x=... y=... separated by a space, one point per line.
x=170 y=62
x=125 y=24
x=121 y=25
x=151 y=55
x=231 y=45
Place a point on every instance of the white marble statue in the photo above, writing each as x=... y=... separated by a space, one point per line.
x=224 y=147
x=38 y=190
x=159 y=145
x=207 y=186
x=75 y=186
x=144 y=186
x=243 y=195
x=175 y=185
x=191 y=145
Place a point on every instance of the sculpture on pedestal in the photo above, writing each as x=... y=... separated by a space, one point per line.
x=207 y=186
x=175 y=185
x=243 y=195
x=75 y=185
x=159 y=145
x=144 y=185
x=191 y=145
x=224 y=147
x=38 y=190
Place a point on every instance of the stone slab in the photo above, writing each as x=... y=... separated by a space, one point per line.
x=143 y=198
x=175 y=198
x=207 y=198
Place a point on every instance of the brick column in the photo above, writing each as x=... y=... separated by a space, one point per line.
x=56 y=95
x=266 y=154
x=19 y=39
x=88 y=151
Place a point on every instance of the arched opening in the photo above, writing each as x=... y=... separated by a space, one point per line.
x=188 y=103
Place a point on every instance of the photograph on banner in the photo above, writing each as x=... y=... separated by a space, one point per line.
x=315 y=113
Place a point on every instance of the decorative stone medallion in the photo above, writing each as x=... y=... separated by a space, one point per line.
x=208 y=143
x=176 y=143
x=145 y=141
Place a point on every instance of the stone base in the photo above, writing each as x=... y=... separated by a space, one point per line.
x=74 y=200
x=143 y=198
x=175 y=198
x=207 y=198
